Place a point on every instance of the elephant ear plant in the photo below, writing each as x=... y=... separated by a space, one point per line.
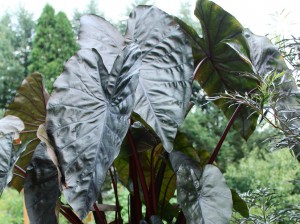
x=114 y=115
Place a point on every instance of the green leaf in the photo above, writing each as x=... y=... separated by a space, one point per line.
x=88 y=117
x=203 y=196
x=164 y=87
x=41 y=187
x=222 y=70
x=239 y=204
x=30 y=106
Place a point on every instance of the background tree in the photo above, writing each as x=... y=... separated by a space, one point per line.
x=54 y=42
x=91 y=8
x=24 y=37
x=10 y=68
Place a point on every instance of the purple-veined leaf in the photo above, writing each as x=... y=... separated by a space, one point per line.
x=222 y=69
x=30 y=106
x=88 y=117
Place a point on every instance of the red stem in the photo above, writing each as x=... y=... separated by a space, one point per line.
x=100 y=215
x=198 y=67
x=135 y=200
x=149 y=210
x=181 y=218
x=70 y=215
x=152 y=183
x=219 y=145
x=118 y=213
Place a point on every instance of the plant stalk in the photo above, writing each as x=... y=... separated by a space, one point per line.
x=135 y=200
x=118 y=212
x=99 y=216
x=219 y=145
x=149 y=209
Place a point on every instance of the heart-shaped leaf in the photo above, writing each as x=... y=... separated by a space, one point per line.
x=222 y=70
x=41 y=187
x=88 y=117
x=166 y=61
x=203 y=196
x=30 y=106
x=164 y=88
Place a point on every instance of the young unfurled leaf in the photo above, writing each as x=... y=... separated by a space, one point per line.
x=41 y=187
x=30 y=106
x=88 y=117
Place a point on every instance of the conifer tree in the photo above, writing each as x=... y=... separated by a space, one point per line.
x=54 y=42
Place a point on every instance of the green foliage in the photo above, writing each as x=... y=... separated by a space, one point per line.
x=266 y=206
x=54 y=43
x=277 y=166
x=11 y=72
x=11 y=207
x=24 y=36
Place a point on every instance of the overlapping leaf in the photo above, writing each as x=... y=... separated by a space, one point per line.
x=88 y=117
x=222 y=70
x=41 y=187
x=10 y=126
x=266 y=60
x=96 y=32
x=203 y=195
x=30 y=106
x=164 y=87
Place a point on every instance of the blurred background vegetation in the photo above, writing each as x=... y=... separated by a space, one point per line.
x=44 y=45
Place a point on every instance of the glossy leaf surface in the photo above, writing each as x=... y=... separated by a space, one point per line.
x=6 y=154
x=222 y=70
x=30 y=106
x=164 y=88
x=41 y=187
x=203 y=195
x=96 y=32
x=88 y=117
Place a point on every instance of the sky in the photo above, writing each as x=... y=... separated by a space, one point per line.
x=261 y=16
